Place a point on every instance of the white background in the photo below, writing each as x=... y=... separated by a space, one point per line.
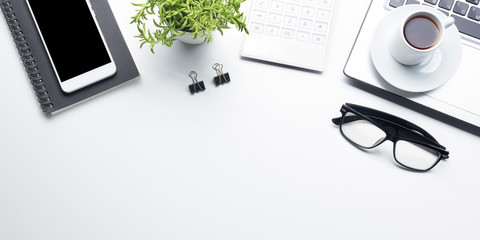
x=257 y=158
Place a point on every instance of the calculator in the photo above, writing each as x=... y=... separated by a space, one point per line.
x=289 y=32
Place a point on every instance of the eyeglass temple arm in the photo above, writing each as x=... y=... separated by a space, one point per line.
x=346 y=119
x=389 y=117
x=336 y=121
x=378 y=120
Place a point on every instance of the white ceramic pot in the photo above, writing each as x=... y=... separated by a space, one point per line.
x=188 y=39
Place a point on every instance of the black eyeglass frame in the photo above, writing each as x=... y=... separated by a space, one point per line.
x=395 y=129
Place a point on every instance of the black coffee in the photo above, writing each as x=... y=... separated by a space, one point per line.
x=421 y=32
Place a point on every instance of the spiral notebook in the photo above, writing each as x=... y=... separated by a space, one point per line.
x=39 y=69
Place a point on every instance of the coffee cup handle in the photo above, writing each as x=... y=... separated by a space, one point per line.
x=449 y=21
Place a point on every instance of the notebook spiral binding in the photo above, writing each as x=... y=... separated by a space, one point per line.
x=26 y=56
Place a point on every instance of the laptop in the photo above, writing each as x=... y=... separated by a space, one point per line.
x=457 y=96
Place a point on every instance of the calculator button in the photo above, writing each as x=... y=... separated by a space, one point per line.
x=305 y=24
x=325 y=3
x=287 y=33
x=308 y=11
x=277 y=6
x=318 y=39
x=260 y=15
x=257 y=27
x=320 y=26
x=272 y=30
x=323 y=14
x=303 y=36
x=290 y=21
x=261 y=4
x=275 y=18
x=292 y=9
x=310 y=2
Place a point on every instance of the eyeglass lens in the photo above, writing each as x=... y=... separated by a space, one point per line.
x=361 y=131
x=367 y=135
x=415 y=156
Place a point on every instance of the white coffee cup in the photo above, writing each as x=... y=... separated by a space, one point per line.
x=415 y=39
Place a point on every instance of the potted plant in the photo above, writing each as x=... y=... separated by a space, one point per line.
x=170 y=19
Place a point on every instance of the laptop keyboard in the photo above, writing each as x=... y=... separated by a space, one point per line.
x=466 y=13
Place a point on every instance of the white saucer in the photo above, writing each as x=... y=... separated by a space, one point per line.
x=425 y=76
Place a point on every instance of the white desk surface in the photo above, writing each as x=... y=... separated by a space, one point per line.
x=257 y=158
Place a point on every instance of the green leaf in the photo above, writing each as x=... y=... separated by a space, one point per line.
x=168 y=17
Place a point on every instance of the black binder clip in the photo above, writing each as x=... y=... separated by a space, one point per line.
x=196 y=86
x=221 y=78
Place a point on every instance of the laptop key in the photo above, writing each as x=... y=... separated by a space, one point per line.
x=446 y=4
x=474 y=13
x=474 y=1
x=444 y=12
x=467 y=27
x=413 y=2
x=433 y=2
x=460 y=8
x=396 y=3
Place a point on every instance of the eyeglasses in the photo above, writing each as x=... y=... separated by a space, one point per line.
x=414 y=148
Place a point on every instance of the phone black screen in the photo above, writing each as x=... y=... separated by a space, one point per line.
x=71 y=36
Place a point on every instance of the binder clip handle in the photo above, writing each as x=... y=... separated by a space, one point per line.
x=221 y=77
x=196 y=86
x=218 y=68
x=193 y=75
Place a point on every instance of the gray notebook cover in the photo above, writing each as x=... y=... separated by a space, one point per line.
x=39 y=69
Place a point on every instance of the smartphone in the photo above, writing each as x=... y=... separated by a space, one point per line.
x=74 y=42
